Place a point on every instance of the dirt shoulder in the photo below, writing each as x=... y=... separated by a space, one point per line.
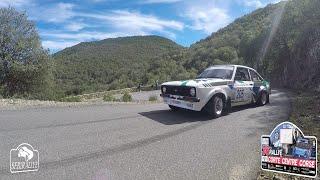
x=17 y=104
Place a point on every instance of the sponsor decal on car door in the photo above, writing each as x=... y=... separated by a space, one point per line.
x=243 y=91
x=242 y=85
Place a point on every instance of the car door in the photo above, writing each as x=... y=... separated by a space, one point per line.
x=257 y=82
x=243 y=86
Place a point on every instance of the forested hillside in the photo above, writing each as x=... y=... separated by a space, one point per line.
x=116 y=63
x=282 y=41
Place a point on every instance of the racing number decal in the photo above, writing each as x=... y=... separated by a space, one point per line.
x=240 y=93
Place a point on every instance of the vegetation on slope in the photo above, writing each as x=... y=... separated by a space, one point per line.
x=114 y=63
x=282 y=41
x=25 y=68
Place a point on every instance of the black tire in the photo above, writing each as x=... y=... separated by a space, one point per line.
x=253 y=103
x=174 y=108
x=263 y=99
x=215 y=106
x=227 y=108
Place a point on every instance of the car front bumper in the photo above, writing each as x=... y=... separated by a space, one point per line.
x=191 y=103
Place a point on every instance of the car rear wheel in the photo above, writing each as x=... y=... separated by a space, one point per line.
x=216 y=107
x=263 y=99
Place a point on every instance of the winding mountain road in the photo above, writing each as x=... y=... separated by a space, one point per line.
x=139 y=141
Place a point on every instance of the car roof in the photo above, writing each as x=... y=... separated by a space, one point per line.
x=228 y=65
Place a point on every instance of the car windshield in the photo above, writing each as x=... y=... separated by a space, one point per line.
x=221 y=73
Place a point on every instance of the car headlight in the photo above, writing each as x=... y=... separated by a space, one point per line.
x=164 y=89
x=193 y=91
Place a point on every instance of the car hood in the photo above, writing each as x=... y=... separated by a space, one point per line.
x=199 y=82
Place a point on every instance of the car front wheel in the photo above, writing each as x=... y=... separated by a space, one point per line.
x=216 y=107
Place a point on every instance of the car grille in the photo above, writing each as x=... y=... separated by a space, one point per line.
x=178 y=90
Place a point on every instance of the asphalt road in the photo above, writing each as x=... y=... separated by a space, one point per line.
x=139 y=141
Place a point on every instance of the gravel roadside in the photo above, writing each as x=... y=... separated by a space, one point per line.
x=16 y=104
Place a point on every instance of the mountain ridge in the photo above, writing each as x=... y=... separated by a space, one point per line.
x=280 y=40
x=110 y=63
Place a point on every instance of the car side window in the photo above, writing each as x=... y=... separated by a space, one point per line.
x=255 y=76
x=242 y=74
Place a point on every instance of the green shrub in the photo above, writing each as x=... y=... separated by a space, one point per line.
x=1 y=91
x=26 y=67
x=126 y=97
x=108 y=98
x=117 y=99
x=153 y=98
x=71 y=99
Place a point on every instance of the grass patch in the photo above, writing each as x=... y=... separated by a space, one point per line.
x=306 y=112
x=126 y=97
x=108 y=98
x=306 y=115
x=71 y=99
x=153 y=98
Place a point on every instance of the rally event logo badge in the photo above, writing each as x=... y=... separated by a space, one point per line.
x=24 y=158
x=287 y=150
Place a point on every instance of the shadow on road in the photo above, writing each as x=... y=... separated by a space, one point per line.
x=169 y=117
x=277 y=111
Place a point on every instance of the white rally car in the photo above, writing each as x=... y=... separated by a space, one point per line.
x=216 y=89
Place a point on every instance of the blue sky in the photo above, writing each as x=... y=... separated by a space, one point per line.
x=65 y=23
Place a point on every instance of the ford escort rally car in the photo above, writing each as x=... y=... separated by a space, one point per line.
x=217 y=89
